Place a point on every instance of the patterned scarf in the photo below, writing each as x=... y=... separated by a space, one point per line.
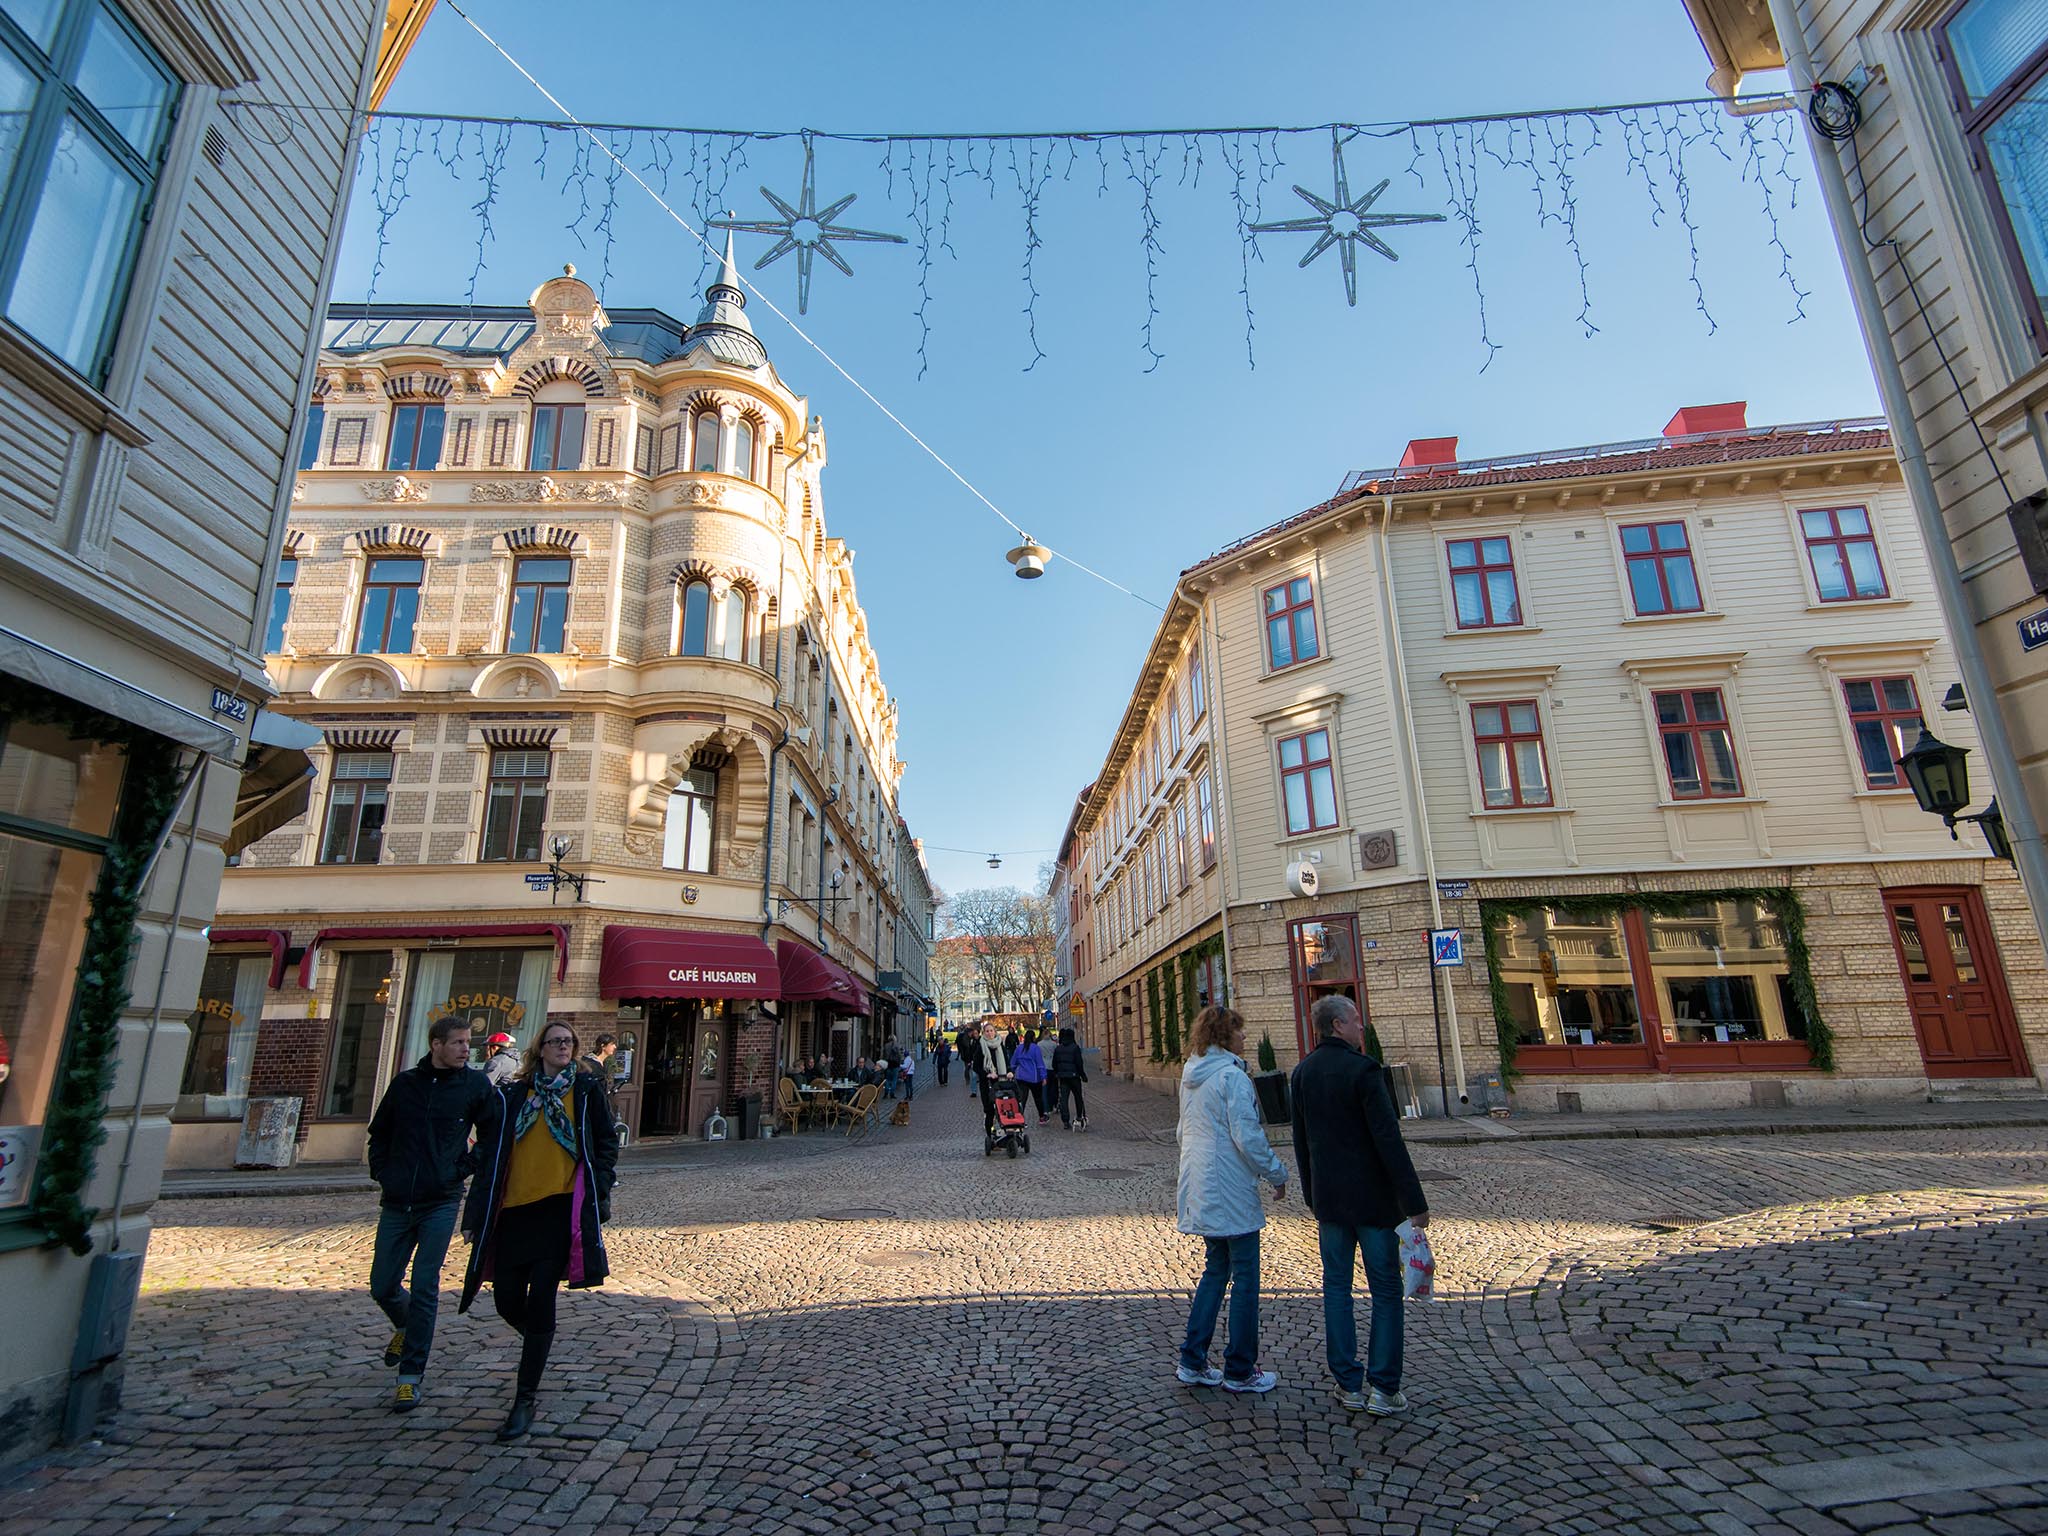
x=545 y=1099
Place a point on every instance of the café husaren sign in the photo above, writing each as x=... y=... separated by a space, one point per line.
x=683 y=973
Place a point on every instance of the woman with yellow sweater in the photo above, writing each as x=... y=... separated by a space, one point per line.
x=537 y=1208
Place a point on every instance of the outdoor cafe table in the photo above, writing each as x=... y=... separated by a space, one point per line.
x=841 y=1089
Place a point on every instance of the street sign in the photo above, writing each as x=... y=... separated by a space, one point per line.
x=1454 y=890
x=1077 y=1005
x=2034 y=630
x=1446 y=947
x=538 y=882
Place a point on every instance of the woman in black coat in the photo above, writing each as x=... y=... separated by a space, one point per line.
x=1069 y=1072
x=546 y=1161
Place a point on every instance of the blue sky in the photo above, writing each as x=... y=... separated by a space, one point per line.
x=1010 y=690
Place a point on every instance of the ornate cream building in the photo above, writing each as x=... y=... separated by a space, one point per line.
x=601 y=734
x=1628 y=718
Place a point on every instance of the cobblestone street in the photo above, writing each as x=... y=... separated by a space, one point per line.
x=1840 y=1332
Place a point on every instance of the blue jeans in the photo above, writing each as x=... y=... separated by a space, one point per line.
x=1381 y=1249
x=1232 y=1262
x=417 y=1234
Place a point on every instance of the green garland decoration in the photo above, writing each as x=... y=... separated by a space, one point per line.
x=1781 y=901
x=74 y=1120
x=1169 y=1008
x=1152 y=1006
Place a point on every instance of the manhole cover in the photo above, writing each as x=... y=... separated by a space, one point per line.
x=1109 y=1173
x=1431 y=1176
x=896 y=1258
x=857 y=1213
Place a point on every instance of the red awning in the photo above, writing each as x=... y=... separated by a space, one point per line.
x=559 y=932
x=276 y=938
x=809 y=976
x=684 y=962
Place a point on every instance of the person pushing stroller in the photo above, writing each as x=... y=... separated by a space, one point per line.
x=1001 y=1106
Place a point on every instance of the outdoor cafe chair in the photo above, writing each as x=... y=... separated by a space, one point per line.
x=789 y=1105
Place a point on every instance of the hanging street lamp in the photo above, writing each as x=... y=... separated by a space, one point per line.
x=1029 y=559
x=1940 y=780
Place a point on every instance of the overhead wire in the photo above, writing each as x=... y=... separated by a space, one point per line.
x=571 y=120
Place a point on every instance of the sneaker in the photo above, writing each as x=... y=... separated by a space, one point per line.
x=407 y=1397
x=395 y=1350
x=1208 y=1377
x=1045 y=1119
x=1384 y=1403
x=1352 y=1400
x=1262 y=1381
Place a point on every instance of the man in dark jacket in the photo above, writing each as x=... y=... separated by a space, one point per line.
x=1070 y=1071
x=1357 y=1178
x=419 y=1156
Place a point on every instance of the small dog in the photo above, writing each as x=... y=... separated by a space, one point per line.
x=902 y=1115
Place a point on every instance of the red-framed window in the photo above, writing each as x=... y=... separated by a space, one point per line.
x=1483 y=590
x=1841 y=547
x=1699 y=744
x=1513 y=771
x=1995 y=53
x=1884 y=715
x=1661 y=575
x=1205 y=808
x=1308 y=782
x=1291 y=623
x=1322 y=960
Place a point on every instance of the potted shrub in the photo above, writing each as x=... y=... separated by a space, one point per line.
x=1271 y=1084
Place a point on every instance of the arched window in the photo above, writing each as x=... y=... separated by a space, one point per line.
x=704 y=455
x=692 y=812
x=732 y=625
x=696 y=619
x=743 y=450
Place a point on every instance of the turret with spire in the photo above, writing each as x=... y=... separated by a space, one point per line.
x=722 y=323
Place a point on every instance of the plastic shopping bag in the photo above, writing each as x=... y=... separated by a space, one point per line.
x=1418 y=1264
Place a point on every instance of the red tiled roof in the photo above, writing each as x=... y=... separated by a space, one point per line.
x=1761 y=445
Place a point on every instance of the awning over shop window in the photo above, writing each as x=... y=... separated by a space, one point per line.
x=276 y=938
x=277 y=779
x=559 y=932
x=808 y=976
x=683 y=962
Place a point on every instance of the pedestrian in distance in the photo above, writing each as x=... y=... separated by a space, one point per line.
x=1357 y=1177
x=909 y=1078
x=1028 y=1062
x=892 y=1057
x=1069 y=1072
x=968 y=1042
x=597 y=1061
x=942 y=1053
x=502 y=1065
x=419 y=1156
x=1223 y=1155
x=537 y=1208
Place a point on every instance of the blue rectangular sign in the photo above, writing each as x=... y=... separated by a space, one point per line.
x=538 y=882
x=2034 y=630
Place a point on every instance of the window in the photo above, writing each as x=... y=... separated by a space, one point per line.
x=1661 y=578
x=1323 y=960
x=540 y=603
x=86 y=107
x=391 y=602
x=223 y=1047
x=416 y=437
x=516 y=805
x=1699 y=749
x=316 y=428
x=696 y=619
x=1567 y=978
x=1206 y=816
x=59 y=796
x=1721 y=971
x=1308 y=787
x=704 y=455
x=280 y=605
x=362 y=1004
x=1483 y=583
x=1180 y=843
x=732 y=625
x=692 y=810
x=1291 y=624
x=743 y=450
x=1843 y=552
x=1884 y=716
x=1198 y=689
x=1509 y=739
x=1996 y=54
x=492 y=990
x=556 y=441
x=360 y=785
x=1173 y=736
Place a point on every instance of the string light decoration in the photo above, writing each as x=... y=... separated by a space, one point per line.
x=1479 y=168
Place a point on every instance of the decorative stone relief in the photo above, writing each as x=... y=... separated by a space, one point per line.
x=609 y=493
x=701 y=493
x=397 y=488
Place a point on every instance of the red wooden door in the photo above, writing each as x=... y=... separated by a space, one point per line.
x=1955 y=988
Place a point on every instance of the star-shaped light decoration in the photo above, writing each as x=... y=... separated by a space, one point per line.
x=1345 y=223
x=806 y=229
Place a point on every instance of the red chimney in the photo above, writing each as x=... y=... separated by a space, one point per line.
x=1423 y=451
x=1732 y=416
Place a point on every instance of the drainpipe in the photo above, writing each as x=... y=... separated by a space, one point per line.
x=1436 y=908
x=2029 y=853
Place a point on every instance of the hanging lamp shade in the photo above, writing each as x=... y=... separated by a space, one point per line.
x=1939 y=777
x=1028 y=559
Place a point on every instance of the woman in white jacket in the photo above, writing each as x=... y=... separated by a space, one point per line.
x=1223 y=1155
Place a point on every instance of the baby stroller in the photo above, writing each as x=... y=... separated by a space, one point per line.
x=1006 y=1124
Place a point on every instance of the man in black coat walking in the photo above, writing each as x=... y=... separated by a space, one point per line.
x=419 y=1156
x=1357 y=1178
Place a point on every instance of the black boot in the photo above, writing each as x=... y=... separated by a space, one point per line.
x=519 y=1420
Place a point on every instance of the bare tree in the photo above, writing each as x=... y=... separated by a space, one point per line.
x=1009 y=937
